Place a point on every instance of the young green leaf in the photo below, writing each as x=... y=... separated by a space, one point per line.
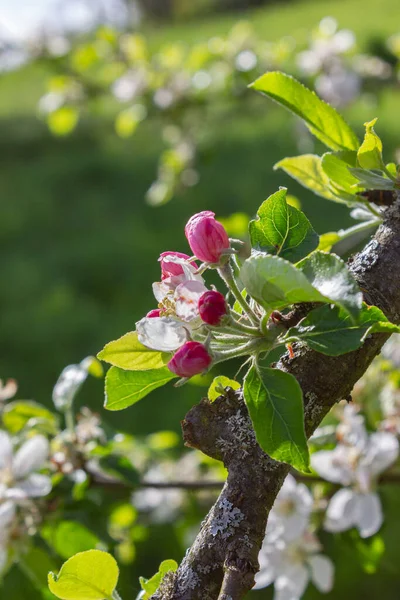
x=150 y=586
x=124 y=388
x=282 y=229
x=91 y=575
x=275 y=283
x=332 y=332
x=328 y=274
x=219 y=384
x=275 y=403
x=336 y=167
x=307 y=170
x=322 y=120
x=372 y=180
x=129 y=354
x=369 y=154
x=18 y=414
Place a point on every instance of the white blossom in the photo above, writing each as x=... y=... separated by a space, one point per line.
x=18 y=478
x=290 y=515
x=356 y=463
x=290 y=565
x=178 y=296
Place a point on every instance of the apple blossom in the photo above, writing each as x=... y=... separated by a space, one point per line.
x=18 y=479
x=290 y=515
x=170 y=268
x=212 y=307
x=207 y=238
x=356 y=463
x=191 y=359
x=291 y=565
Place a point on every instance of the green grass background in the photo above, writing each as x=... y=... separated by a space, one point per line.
x=79 y=246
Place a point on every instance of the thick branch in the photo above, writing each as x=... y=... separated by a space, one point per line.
x=223 y=559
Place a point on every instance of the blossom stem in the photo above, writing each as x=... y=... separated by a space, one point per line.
x=226 y=274
x=254 y=345
x=115 y=596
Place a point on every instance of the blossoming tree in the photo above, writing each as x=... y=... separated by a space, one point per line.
x=304 y=327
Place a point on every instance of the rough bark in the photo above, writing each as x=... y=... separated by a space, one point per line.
x=222 y=561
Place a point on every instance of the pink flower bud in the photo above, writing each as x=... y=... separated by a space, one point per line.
x=156 y=312
x=190 y=359
x=207 y=238
x=212 y=307
x=169 y=268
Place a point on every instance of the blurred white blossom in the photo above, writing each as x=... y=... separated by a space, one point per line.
x=19 y=480
x=356 y=463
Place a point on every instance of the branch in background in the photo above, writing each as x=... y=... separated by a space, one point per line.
x=223 y=560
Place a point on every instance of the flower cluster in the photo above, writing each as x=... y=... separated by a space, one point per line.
x=291 y=553
x=190 y=318
x=356 y=463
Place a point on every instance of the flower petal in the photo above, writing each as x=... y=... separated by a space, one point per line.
x=341 y=512
x=322 y=571
x=292 y=584
x=35 y=486
x=31 y=456
x=7 y=513
x=6 y=450
x=332 y=465
x=187 y=296
x=161 y=333
x=383 y=451
x=369 y=517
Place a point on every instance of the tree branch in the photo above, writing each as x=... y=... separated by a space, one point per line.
x=222 y=561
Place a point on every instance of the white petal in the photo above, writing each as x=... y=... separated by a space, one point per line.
x=322 y=571
x=187 y=297
x=292 y=584
x=161 y=289
x=264 y=577
x=35 y=486
x=340 y=514
x=383 y=451
x=31 y=456
x=369 y=515
x=7 y=513
x=5 y=450
x=161 y=333
x=331 y=465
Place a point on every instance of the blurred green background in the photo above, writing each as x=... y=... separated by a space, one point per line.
x=79 y=246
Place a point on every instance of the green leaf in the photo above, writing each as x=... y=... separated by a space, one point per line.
x=69 y=537
x=275 y=283
x=282 y=229
x=150 y=586
x=124 y=388
x=20 y=413
x=329 y=274
x=275 y=403
x=322 y=120
x=218 y=386
x=336 y=167
x=332 y=332
x=91 y=575
x=129 y=354
x=307 y=170
x=369 y=154
x=372 y=180
x=327 y=240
